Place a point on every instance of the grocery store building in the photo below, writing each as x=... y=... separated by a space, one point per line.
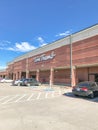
x=68 y=60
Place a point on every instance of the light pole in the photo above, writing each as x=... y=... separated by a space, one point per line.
x=70 y=41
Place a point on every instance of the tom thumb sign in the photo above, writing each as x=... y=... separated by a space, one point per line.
x=44 y=57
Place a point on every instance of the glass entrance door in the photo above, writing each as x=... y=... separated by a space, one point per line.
x=96 y=77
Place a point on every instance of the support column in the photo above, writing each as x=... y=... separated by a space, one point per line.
x=51 y=76
x=19 y=75
x=37 y=75
x=27 y=72
x=74 y=78
x=14 y=77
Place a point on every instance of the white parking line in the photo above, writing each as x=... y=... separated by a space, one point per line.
x=46 y=95
x=20 y=98
x=30 y=97
x=38 y=96
x=53 y=94
x=4 y=98
x=10 y=99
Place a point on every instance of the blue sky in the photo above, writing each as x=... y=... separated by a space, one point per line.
x=28 y=24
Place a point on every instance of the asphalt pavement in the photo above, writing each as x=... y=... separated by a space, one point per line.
x=45 y=108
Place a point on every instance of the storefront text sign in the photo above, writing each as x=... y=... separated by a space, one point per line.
x=44 y=57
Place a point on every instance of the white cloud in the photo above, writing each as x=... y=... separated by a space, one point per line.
x=22 y=47
x=43 y=44
x=41 y=41
x=63 y=34
x=4 y=43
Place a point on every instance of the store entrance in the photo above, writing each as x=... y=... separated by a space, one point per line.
x=93 y=76
x=34 y=76
x=96 y=77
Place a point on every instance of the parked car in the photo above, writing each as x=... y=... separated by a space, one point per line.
x=86 y=88
x=18 y=82
x=26 y=82
x=30 y=82
x=6 y=80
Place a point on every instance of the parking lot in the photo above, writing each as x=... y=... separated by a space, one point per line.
x=42 y=108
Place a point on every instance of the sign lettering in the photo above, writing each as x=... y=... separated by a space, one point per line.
x=44 y=57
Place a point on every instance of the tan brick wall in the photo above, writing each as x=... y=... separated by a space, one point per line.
x=61 y=59
x=86 y=51
x=82 y=74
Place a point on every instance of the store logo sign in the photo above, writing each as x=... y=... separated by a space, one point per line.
x=44 y=57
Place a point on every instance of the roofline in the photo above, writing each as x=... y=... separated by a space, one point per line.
x=85 y=28
x=49 y=44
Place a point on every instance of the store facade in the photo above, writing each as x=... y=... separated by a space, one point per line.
x=52 y=62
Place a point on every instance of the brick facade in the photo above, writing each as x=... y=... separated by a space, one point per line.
x=52 y=63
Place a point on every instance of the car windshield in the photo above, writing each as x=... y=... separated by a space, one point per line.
x=30 y=79
x=83 y=84
x=22 y=79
